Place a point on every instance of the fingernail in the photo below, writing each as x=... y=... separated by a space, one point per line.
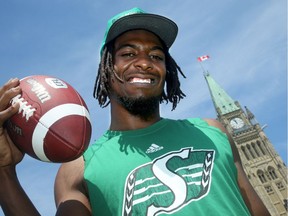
x=12 y=80
x=15 y=80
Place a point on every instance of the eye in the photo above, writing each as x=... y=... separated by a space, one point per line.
x=128 y=54
x=157 y=57
x=125 y=52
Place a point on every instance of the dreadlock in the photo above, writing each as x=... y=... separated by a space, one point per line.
x=101 y=89
x=174 y=93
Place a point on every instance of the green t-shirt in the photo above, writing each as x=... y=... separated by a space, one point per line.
x=178 y=167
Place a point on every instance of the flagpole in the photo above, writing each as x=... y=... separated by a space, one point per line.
x=203 y=58
x=204 y=71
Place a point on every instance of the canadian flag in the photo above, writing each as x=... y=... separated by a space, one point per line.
x=203 y=58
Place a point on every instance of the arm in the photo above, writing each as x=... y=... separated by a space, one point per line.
x=13 y=199
x=71 y=195
x=251 y=198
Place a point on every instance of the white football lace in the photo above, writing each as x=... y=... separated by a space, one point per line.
x=27 y=110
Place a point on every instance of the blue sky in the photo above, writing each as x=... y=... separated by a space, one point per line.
x=246 y=40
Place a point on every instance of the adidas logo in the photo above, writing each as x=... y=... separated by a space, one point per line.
x=153 y=148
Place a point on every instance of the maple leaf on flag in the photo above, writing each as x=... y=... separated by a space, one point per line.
x=203 y=58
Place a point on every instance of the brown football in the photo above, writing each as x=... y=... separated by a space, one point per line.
x=53 y=122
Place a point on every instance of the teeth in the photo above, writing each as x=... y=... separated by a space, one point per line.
x=139 y=80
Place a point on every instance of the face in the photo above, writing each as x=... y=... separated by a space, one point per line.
x=139 y=64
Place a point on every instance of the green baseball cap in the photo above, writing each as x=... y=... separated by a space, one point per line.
x=136 y=18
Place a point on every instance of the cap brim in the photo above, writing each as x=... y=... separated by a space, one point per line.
x=161 y=26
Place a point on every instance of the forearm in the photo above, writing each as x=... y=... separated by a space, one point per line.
x=13 y=198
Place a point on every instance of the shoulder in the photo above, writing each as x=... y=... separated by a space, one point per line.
x=73 y=170
x=215 y=123
x=219 y=125
x=204 y=122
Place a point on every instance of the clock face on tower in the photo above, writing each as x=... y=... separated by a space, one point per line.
x=236 y=123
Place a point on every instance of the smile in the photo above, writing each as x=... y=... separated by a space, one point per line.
x=141 y=80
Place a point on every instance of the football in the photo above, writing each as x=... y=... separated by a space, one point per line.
x=53 y=123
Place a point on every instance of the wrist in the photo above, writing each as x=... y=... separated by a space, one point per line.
x=7 y=173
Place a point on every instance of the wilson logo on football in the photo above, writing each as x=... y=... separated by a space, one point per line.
x=40 y=91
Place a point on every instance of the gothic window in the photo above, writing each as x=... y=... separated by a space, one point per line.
x=255 y=149
x=261 y=148
x=268 y=189
x=272 y=173
x=250 y=151
x=279 y=185
x=244 y=152
x=261 y=176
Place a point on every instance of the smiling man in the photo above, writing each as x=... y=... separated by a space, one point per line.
x=144 y=164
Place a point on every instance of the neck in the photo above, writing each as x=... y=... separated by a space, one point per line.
x=122 y=119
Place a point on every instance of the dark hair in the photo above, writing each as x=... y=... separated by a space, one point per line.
x=173 y=92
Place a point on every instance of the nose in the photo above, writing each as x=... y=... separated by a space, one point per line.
x=143 y=62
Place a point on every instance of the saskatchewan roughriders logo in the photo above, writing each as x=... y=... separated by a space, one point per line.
x=168 y=183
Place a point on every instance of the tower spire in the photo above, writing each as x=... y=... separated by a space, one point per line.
x=250 y=116
x=222 y=101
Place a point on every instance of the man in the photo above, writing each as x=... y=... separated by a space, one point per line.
x=144 y=164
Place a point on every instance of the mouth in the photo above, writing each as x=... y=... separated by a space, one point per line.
x=137 y=80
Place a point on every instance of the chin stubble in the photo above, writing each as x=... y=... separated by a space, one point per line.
x=142 y=107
